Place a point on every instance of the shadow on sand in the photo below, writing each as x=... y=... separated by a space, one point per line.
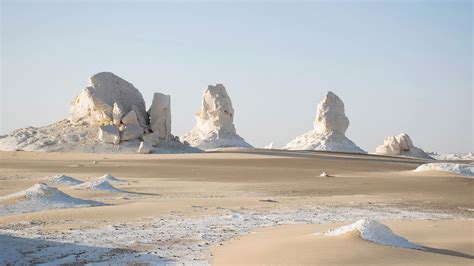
x=26 y=251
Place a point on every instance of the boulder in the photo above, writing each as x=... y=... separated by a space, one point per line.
x=401 y=145
x=109 y=134
x=329 y=130
x=131 y=132
x=131 y=119
x=215 y=122
x=95 y=104
x=152 y=138
x=145 y=147
x=160 y=115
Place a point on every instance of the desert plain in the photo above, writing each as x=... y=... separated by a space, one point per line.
x=236 y=206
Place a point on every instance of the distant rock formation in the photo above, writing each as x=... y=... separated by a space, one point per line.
x=106 y=100
x=215 y=122
x=329 y=130
x=400 y=145
x=160 y=115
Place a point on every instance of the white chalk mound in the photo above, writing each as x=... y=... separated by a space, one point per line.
x=376 y=232
x=40 y=197
x=111 y=179
x=106 y=99
x=457 y=168
x=215 y=122
x=452 y=156
x=401 y=145
x=64 y=179
x=269 y=146
x=329 y=130
x=98 y=185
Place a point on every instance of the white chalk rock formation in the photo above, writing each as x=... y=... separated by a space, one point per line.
x=95 y=104
x=145 y=147
x=117 y=114
x=400 y=145
x=109 y=134
x=269 y=146
x=215 y=122
x=160 y=115
x=329 y=130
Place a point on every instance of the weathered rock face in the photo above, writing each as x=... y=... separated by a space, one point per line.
x=109 y=134
x=400 y=145
x=131 y=132
x=95 y=104
x=329 y=130
x=160 y=115
x=215 y=122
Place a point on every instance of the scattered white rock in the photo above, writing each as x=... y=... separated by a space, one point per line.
x=99 y=185
x=324 y=174
x=215 y=122
x=109 y=134
x=160 y=115
x=94 y=105
x=457 y=168
x=131 y=132
x=41 y=197
x=64 y=179
x=376 y=232
x=400 y=145
x=269 y=146
x=145 y=147
x=329 y=130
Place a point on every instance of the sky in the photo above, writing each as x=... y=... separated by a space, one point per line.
x=399 y=66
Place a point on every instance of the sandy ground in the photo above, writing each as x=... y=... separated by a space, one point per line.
x=194 y=190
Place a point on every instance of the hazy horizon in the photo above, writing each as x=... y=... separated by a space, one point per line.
x=398 y=66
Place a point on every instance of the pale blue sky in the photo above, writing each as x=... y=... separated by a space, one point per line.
x=399 y=66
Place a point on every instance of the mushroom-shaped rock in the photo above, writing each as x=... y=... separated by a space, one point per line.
x=109 y=134
x=215 y=122
x=400 y=145
x=160 y=115
x=95 y=104
x=329 y=130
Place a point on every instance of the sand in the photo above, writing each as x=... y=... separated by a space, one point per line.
x=208 y=195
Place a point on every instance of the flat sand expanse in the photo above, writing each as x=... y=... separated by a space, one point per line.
x=283 y=186
x=446 y=242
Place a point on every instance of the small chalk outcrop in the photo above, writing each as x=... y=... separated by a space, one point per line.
x=329 y=130
x=106 y=100
x=64 y=179
x=401 y=145
x=41 y=197
x=160 y=115
x=466 y=170
x=215 y=122
x=269 y=146
x=376 y=232
x=98 y=185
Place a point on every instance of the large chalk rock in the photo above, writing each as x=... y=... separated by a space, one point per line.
x=131 y=132
x=215 y=122
x=95 y=104
x=109 y=134
x=160 y=115
x=329 y=130
x=400 y=145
